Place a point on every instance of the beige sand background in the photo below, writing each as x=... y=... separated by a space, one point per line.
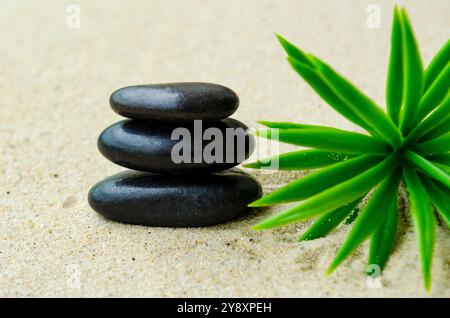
x=55 y=82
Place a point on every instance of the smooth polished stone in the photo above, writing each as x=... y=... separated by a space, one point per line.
x=175 y=101
x=174 y=200
x=196 y=146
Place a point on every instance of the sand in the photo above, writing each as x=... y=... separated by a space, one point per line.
x=55 y=83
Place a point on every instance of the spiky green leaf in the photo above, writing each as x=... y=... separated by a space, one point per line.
x=440 y=115
x=318 y=181
x=294 y=51
x=394 y=84
x=435 y=146
x=300 y=160
x=312 y=77
x=437 y=64
x=428 y=168
x=329 y=139
x=435 y=94
x=443 y=158
x=372 y=215
x=424 y=221
x=383 y=238
x=329 y=221
x=333 y=197
x=439 y=198
x=437 y=131
x=285 y=125
x=413 y=78
x=362 y=105
x=444 y=168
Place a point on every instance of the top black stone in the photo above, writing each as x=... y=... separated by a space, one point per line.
x=175 y=101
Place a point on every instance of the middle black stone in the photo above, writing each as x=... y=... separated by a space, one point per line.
x=156 y=146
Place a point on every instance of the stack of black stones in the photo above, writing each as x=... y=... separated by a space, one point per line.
x=182 y=148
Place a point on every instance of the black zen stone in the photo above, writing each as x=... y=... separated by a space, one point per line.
x=175 y=101
x=174 y=200
x=148 y=145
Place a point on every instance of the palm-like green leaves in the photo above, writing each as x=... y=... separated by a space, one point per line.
x=383 y=237
x=424 y=221
x=413 y=81
x=439 y=199
x=437 y=64
x=372 y=115
x=313 y=77
x=319 y=181
x=329 y=139
x=437 y=118
x=329 y=221
x=435 y=146
x=427 y=167
x=370 y=218
x=411 y=141
x=394 y=84
x=331 y=198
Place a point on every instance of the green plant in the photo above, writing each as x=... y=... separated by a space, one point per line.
x=410 y=143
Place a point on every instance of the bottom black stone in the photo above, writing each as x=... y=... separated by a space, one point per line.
x=174 y=200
